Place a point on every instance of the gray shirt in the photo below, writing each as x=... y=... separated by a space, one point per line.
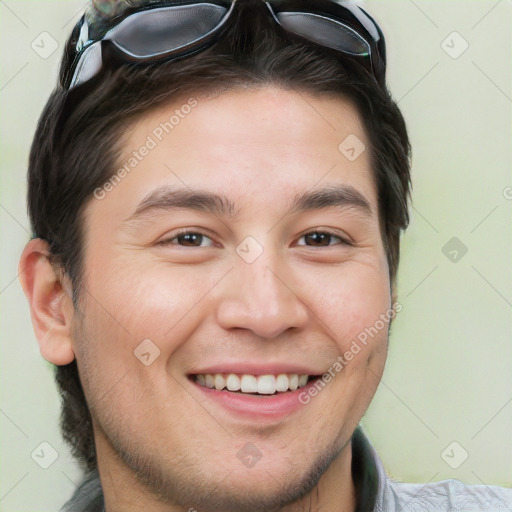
x=376 y=491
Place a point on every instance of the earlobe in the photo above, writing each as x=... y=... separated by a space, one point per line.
x=51 y=306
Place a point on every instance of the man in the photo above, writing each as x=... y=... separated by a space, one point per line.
x=217 y=192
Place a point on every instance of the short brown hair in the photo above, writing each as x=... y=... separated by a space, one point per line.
x=77 y=144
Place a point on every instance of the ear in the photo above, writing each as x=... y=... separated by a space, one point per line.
x=51 y=305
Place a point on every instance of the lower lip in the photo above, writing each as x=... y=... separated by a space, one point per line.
x=260 y=407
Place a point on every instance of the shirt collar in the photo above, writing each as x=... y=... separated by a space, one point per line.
x=365 y=471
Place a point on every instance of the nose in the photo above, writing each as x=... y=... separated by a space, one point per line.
x=262 y=297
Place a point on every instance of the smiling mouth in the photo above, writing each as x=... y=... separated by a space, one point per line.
x=255 y=385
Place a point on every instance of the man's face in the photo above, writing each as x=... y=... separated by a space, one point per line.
x=254 y=290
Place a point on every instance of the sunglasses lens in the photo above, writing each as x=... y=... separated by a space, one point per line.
x=89 y=65
x=152 y=33
x=324 y=31
x=159 y=31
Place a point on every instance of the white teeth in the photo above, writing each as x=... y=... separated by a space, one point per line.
x=249 y=384
x=219 y=381
x=266 y=384
x=282 y=382
x=232 y=382
x=208 y=381
x=294 y=382
x=262 y=384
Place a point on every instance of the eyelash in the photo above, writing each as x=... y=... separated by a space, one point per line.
x=343 y=241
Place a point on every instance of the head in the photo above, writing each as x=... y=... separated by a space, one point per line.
x=278 y=249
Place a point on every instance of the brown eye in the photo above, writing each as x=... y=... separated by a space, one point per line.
x=321 y=239
x=188 y=239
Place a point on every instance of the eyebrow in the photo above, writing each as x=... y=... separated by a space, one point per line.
x=345 y=196
x=167 y=199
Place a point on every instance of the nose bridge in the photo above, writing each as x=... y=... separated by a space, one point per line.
x=264 y=284
x=259 y=297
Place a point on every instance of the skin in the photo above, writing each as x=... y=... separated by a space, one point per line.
x=161 y=445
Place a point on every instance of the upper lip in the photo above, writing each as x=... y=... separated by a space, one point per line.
x=252 y=368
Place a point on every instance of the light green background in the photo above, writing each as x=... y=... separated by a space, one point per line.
x=449 y=374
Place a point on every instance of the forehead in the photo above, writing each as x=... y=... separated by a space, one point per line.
x=263 y=115
x=256 y=146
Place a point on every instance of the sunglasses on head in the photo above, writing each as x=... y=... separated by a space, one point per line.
x=171 y=30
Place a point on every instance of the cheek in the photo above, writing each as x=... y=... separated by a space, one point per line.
x=138 y=298
x=125 y=308
x=348 y=301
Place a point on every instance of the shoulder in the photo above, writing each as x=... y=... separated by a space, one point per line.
x=446 y=495
x=88 y=497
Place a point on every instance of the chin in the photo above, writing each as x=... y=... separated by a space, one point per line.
x=262 y=486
